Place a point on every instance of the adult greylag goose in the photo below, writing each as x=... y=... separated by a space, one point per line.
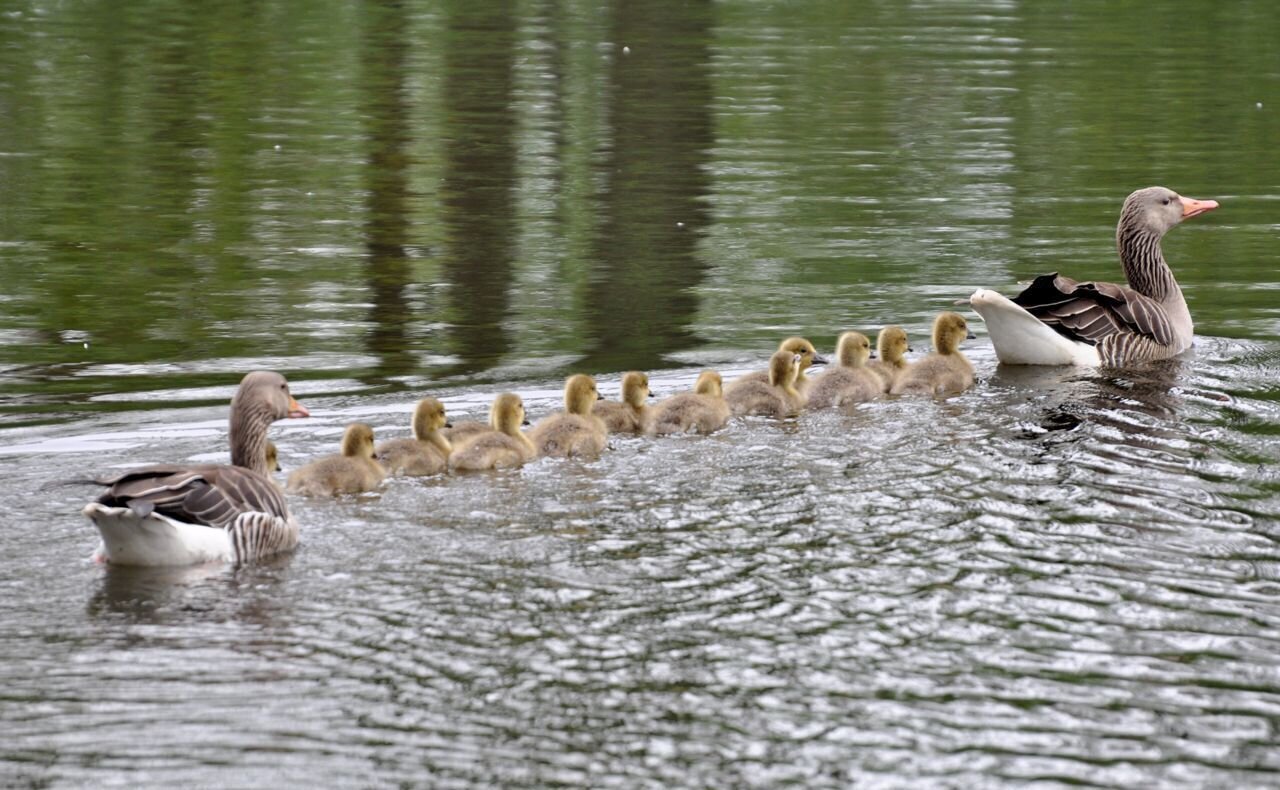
x=849 y=381
x=574 y=431
x=891 y=347
x=796 y=345
x=778 y=397
x=704 y=410
x=427 y=453
x=631 y=414
x=352 y=471
x=1058 y=321
x=504 y=445
x=185 y=514
x=945 y=370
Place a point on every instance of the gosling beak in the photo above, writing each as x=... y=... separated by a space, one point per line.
x=969 y=335
x=525 y=421
x=910 y=350
x=818 y=359
x=448 y=425
x=297 y=409
x=873 y=355
x=1192 y=207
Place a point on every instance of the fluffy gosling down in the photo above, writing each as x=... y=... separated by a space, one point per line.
x=945 y=371
x=850 y=381
x=502 y=446
x=776 y=398
x=427 y=453
x=891 y=347
x=353 y=471
x=574 y=431
x=704 y=410
x=796 y=345
x=631 y=414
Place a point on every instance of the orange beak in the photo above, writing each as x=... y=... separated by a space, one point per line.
x=297 y=409
x=1192 y=207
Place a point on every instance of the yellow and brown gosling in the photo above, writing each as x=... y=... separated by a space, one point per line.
x=849 y=381
x=945 y=371
x=776 y=398
x=631 y=414
x=273 y=457
x=704 y=410
x=353 y=471
x=892 y=347
x=574 y=431
x=796 y=345
x=502 y=446
x=427 y=453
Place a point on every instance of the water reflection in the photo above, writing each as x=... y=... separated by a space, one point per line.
x=478 y=192
x=386 y=112
x=640 y=300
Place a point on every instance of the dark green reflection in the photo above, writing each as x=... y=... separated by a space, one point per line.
x=640 y=302
x=478 y=193
x=385 y=53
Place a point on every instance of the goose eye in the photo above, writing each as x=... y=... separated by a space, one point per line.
x=1166 y=201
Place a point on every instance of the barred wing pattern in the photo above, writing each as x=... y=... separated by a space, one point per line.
x=1124 y=325
x=250 y=507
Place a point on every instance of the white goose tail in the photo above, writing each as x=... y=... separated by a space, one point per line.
x=154 y=539
x=1022 y=339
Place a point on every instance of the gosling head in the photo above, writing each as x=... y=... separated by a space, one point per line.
x=635 y=389
x=1157 y=210
x=808 y=354
x=580 y=394
x=507 y=413
x=949 y=330
x=892 y=344
x=428 y=417
x=273 y=457
x=853 y=349
x=784 y=366
x=357 y=441
x=709 y=383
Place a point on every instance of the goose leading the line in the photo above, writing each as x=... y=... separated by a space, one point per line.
x=1058 y=321
x=185 y=514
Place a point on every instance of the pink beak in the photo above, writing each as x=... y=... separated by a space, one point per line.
x=297 y=409
x=1192 y=207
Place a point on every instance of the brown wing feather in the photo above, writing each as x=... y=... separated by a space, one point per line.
x=1092 y=311
x=209 y=494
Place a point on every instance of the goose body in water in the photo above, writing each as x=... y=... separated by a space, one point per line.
x=353 y=471
x=502 y=446
x=801 y=348
x=778 y=397
x=631 y=414
x=427 y=453
x=704 y=410
x=186 y=514
x=891 y=346
x=574 y=431
x=945 y=371
x=849 y=381
x=1059 y=321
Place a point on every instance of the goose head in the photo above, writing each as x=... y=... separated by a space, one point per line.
x=580 y=394
x=507 y=414
x=709 y=383
x=357 y=441
x=949 y=330
x=892 y=344
x=853 y=349
x=808 y=354
x=784 y=366
x=266 y=393
x=635 y=389
x=1157 y=210
x=428 y=417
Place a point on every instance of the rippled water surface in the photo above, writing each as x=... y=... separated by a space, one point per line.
x=1059 y=578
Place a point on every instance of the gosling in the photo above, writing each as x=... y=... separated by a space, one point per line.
x=892 y=347
x=796 y=345
x=945 y=371
x=353 y=471
x=502 y=446
x=849 y=382
x=273 y=457
x=777 y=398
x=574 y=431
x=704 y=410
x=427 y=453
x=632 y=413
